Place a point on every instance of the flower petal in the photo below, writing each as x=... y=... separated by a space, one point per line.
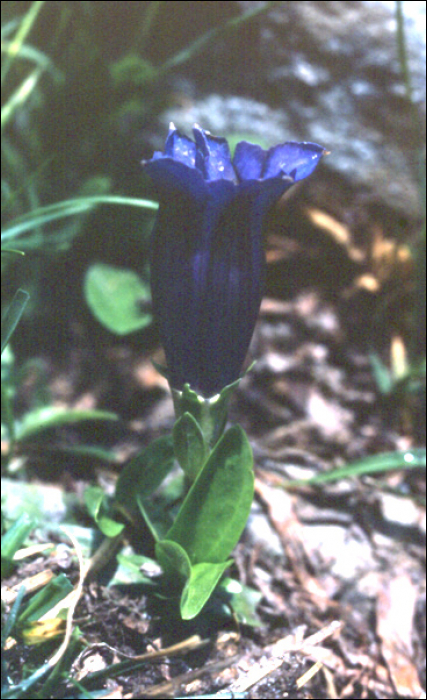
x=213 y=156
x=174 y=176
x=267 y=193
x=207 y=272
x=180 y=147
x=207 y=269
x=249 y=159
x=298 y=160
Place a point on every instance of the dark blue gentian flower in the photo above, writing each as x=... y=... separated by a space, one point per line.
x=207 y=261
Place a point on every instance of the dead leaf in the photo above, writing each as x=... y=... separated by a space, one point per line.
x=339 y=233
x=395 y=614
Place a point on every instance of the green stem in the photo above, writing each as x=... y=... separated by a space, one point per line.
x=402 y=52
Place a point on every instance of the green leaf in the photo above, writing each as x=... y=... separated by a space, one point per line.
x=155 y=532
x=115 y=296
x=12 y=540
x=143 y=474
x=382 y=374
x=215 y=510
x=91 y=452
x=96 y=504
x=158 y=513
x=242 y=600
x=69 y=207
x=382 y=462
x=189 y=444
x=13 y=316
x=132 y=569
x=10 y=621
x=93 y=497
x=53 y=417
x=43 y=601
x=200 y=585
x=174 y=561
x=211 y=414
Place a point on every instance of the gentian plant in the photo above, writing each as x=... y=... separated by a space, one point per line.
x=207 y=270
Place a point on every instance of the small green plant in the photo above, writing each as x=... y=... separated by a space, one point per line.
x=34 y=619
x=207 y=268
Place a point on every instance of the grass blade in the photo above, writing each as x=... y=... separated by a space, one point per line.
x=11 y=618
x=20 y=96
x=13 y=316
x=205 y=39
x=68 y=207
x=24 y=29
x=386 y=461
x=50 y=417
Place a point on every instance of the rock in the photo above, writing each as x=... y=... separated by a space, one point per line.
x=326 y=72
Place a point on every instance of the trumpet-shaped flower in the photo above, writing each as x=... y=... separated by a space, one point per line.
x=207 y=254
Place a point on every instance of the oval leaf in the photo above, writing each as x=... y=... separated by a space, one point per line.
x=189 y=444
x=96 y=503
x=241 y=601
x=50 y=417
x=215 y=510
x=116 y=298
x=143 y=474
x=174 y=561
x=200 y=586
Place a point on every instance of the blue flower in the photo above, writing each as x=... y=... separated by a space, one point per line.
x=207 y=255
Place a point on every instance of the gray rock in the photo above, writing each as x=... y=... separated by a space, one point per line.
x=326 y=72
